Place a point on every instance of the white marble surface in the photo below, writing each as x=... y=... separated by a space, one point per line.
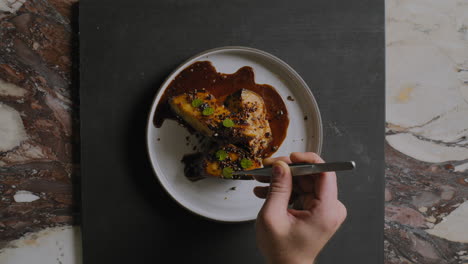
x=11 y=5
x=12 y=131
x=427 y=91
x=24 y=197
x=427 y=78
x=427 y=115
x=453 y=227
x=58 y=245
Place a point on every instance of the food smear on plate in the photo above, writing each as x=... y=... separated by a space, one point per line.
x=244 y=121
x=219 y=161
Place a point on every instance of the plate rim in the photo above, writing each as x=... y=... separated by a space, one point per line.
x=149 y=120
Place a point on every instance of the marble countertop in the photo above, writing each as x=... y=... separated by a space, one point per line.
x=426 y=207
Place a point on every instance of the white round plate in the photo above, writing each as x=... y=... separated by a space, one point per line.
x=213 y=198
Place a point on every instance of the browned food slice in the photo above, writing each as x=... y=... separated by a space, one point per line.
x=250 y=118
x=239 y=126
x=242 y=119
x=220 y=161
x=200 y=110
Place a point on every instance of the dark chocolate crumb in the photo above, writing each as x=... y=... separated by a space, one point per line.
x=159 y=139
x=187 y=138
x=204 y=106
x=305 y=118
x=290 y=98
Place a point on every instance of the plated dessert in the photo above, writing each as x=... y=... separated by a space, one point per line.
x=243 y=122
x=222 y=73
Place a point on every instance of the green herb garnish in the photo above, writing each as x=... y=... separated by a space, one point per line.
x=228 y=122
x=227 y=172
x=208 y=111
x=246 y=163
x=197 y=102
x=221 y=154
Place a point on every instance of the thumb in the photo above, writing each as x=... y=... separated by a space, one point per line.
x=280 y=188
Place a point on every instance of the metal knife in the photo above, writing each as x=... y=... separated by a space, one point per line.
x=297 y=169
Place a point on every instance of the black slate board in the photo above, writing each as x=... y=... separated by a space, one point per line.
x=129 y=47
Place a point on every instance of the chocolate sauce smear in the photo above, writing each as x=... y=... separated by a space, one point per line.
x=202 y=75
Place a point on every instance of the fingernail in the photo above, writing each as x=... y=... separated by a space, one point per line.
x=277 y=171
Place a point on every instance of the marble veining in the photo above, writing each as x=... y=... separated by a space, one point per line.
x=426 y=150
x=9 y=89
x=11 y=6
x=426 y=146
x=454 y=226
x=38 y=133
x=426 y=132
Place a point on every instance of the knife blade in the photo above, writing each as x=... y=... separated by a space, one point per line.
x=297 y=169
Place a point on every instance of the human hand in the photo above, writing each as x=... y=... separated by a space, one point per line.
x=296 y=236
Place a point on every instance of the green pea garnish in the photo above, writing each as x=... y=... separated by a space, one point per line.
x=197 y=102
x=208 y=111
x=221 y=154
x=227 y=172
x=246 y=163
x=228 y=122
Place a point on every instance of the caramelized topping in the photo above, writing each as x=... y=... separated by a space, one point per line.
x=202 y=77
x=245 y=121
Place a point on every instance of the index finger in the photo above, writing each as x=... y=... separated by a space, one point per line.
x=325 y=186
